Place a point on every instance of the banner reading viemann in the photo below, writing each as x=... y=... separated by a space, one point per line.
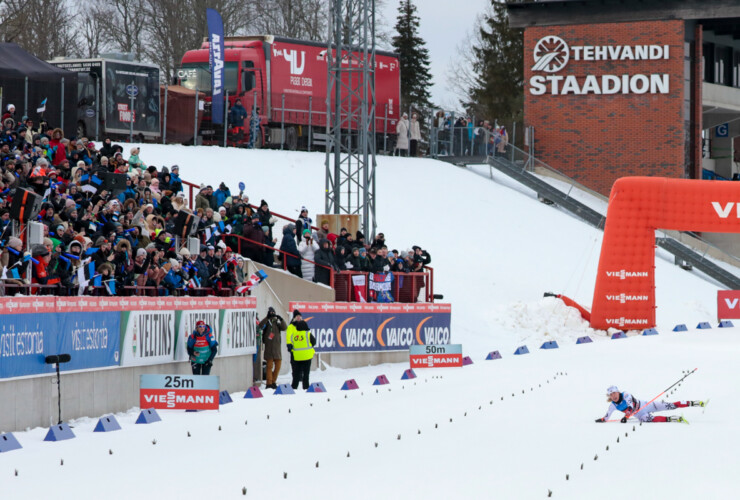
x=354 y=327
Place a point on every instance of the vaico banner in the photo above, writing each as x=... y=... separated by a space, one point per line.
x=728 y=304
x=358 y=327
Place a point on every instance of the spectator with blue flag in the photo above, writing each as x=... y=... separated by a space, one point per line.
x=202 y=348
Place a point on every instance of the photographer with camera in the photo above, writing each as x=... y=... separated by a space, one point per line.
x=270 y=328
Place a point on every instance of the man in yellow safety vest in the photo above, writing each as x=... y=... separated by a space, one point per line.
x=300 y=344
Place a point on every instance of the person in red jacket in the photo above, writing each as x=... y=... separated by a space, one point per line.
x=202 y=348
x=59 y=151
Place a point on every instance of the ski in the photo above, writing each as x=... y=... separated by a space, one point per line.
x=678 y=419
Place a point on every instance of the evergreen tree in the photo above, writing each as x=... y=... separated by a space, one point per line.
x=414 y=57
x=498 y=91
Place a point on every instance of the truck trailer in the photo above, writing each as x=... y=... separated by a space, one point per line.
x=285 y=81
x=105 y=88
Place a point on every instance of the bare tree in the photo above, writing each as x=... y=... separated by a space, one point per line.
x=125 y=29
x=12 y=23
x=461 y=76
x=92 y=29
x=41 y=27
x=305 y=19
x=176 y=26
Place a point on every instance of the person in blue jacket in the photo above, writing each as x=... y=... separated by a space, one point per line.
x=293 y=261
x=202 y=348
x=237 y=114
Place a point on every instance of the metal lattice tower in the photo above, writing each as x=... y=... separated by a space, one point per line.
x=350 y=125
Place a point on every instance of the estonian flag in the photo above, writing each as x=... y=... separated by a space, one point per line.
x=42 y=108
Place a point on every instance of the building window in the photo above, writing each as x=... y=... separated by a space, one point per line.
x=723 y=65
x=707 y=61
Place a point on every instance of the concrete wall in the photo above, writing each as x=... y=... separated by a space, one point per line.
x=32 y=402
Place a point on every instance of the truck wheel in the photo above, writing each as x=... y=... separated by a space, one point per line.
x=81 y=130
x=291 y=138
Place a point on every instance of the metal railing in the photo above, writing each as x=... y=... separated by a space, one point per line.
x=338 y=280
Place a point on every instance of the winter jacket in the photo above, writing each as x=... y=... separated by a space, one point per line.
x=288 y=245
x=219 y=196
x=415 y=131
x=307 y=252
x=402 y=130
x=324 y=258
x=203 y=347
x=237 y=115
x=270 y=328
x=202 y=201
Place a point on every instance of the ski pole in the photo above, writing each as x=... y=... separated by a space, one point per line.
x=659 y=395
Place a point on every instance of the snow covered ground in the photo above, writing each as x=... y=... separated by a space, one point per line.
x=511 y=428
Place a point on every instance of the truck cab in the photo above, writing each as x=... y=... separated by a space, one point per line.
x=244 y=79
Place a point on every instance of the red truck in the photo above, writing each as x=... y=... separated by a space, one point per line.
x=287 y=78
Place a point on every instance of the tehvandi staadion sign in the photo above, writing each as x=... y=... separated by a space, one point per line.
x=552 y=54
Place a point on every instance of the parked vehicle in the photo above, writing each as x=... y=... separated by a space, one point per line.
x=104 y=95
x=285 y=81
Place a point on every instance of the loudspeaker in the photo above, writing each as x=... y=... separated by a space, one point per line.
x=194 y=246
x=26 y=205
x=35 y=233
x=113 y=183
x=186 y=224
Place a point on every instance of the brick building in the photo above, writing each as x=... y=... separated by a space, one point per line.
x=632 y=87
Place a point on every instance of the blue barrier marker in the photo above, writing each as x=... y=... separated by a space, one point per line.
x=59 y=432
x=107 y=424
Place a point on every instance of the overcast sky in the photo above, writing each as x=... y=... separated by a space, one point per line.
x=443 y=25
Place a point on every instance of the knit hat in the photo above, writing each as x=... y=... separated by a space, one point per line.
x=140 y=252
x=100 y=242
x=185 y=252
x=296 y=313
x=14 y=242
x=324 y=222
x=173 y=262
x=306 y=231
x=39 y=251
x=200 y=322
x=304 y=209
x=263 y=203
x=611 y=389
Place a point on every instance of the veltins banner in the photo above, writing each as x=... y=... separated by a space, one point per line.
x=92 y=341
x=355 y=327
x=147 y=337
x=186 y=325
x=238 y=332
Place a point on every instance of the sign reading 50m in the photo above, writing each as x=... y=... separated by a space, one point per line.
x=552 y=54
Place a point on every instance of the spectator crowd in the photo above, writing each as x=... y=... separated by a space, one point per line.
x=122 y=241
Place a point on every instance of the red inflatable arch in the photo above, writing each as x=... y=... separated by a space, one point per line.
x=624 y=296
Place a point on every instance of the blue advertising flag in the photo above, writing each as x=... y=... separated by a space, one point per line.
x=216 y=64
